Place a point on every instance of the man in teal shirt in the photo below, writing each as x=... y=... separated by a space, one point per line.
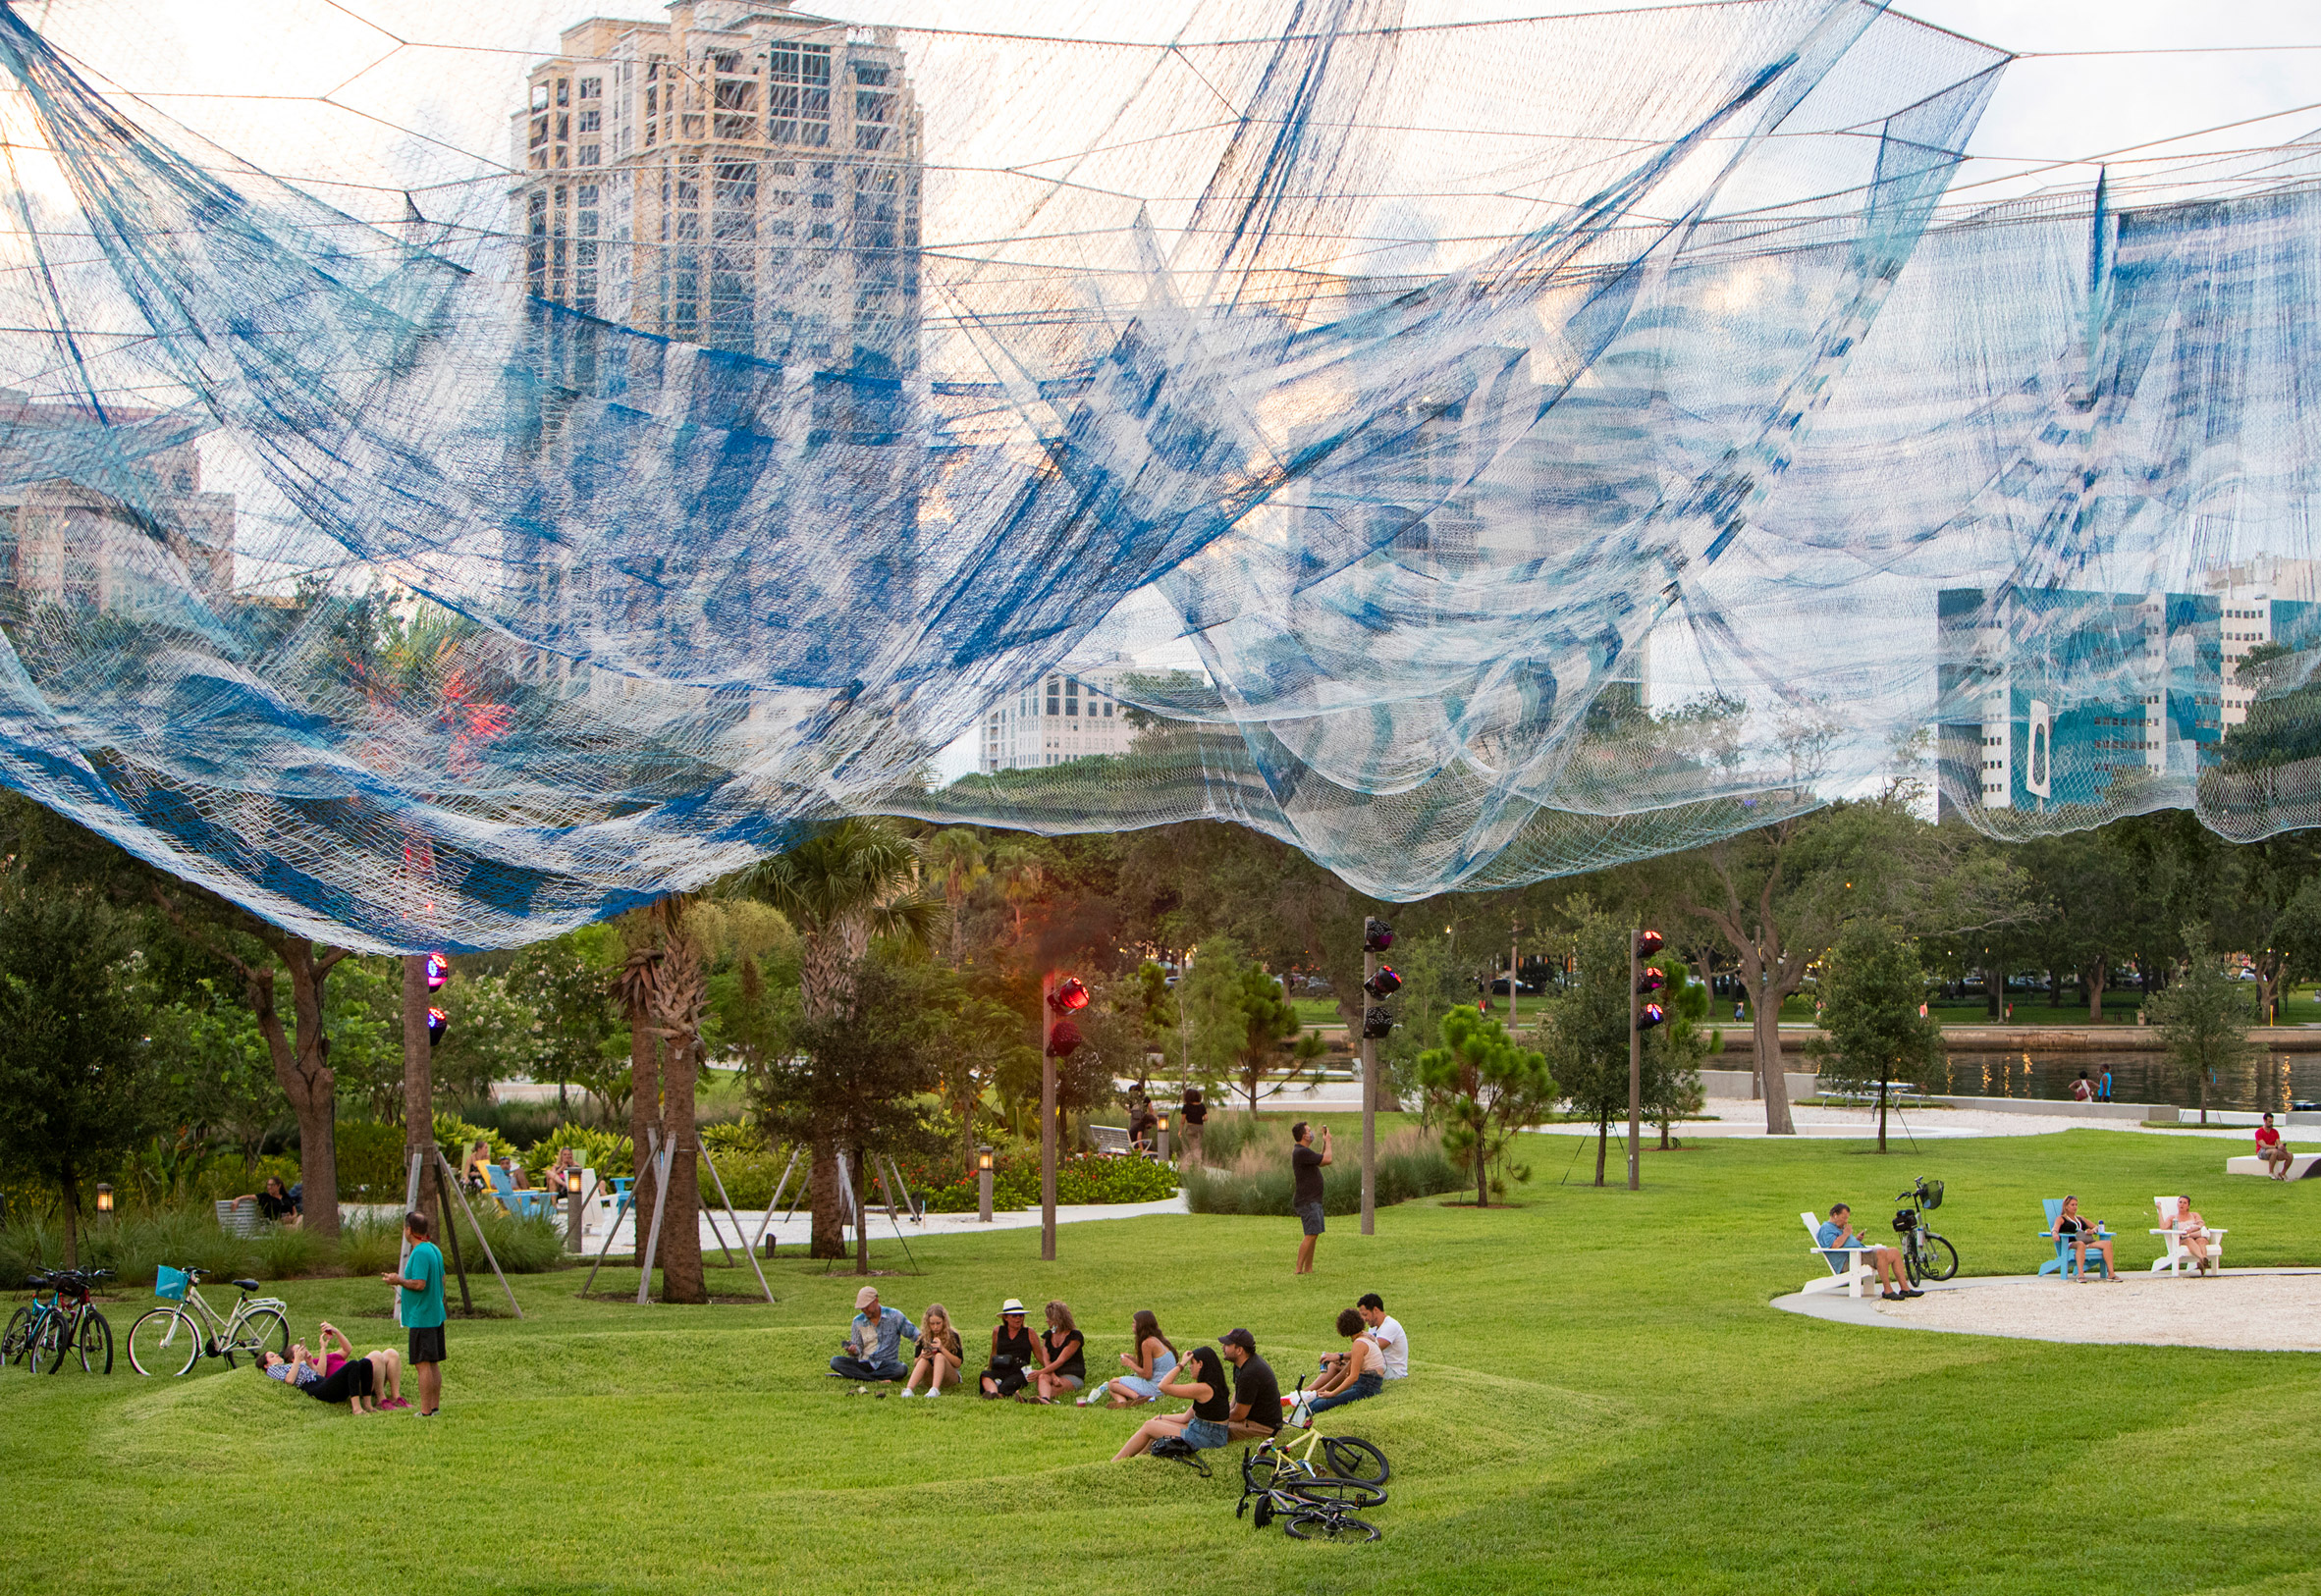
x=1837 y=1231
x=421 y=1282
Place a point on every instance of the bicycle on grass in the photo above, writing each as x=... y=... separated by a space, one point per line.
x=1343 y=1457
x=26 y=1325
x=1925 y=1254
x=172 y=1338
x=67 y=1325
x=1313 y=1509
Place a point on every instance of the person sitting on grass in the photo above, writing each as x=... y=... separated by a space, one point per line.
x=1202 y=1427
x=275 y=1203
x=1384 y=1329
x=1152 y=1360
x=2272 y=1149
x=873 y=1340
x=1838 y=1231
x=1361 y=1372
x=1255 y=1414
x=2188 y=1228
x=940 y=1357
x=2084 y=1234
x=1013 y=1350
x=1062 y=1359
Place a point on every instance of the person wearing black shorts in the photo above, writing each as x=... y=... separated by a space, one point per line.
x=1305 y=1174
x=421 y=1284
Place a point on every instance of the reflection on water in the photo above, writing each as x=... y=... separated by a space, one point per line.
x=2273 y=1082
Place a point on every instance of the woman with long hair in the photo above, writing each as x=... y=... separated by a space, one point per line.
x=1151 y=1359
x=1201 y=1426
x=1061 y=1353
x=940 y=1357
x=1012 y=1349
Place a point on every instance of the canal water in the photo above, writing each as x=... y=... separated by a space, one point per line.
x=2274 y=1081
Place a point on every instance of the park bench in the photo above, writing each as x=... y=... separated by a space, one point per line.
x=2178 y=1255
x=2301 y=1165
x=2066 y=1261
x=1850 y=1278
x=240 y=1218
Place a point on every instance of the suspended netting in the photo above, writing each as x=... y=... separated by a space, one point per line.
x=464 y=470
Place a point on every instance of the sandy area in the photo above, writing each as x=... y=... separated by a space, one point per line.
x=2257 y=1312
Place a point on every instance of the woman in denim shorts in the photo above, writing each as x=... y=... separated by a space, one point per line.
x=1203 y=1426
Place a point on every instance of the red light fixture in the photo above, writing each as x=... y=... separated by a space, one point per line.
x=1070 y=995
x=1650 y=1015
x=1648 y=942
x=1385 y=984
x=1652 y=981
x=439 y=971
x=438 y=1023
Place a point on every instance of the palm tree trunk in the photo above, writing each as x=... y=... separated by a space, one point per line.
x=830 y=1208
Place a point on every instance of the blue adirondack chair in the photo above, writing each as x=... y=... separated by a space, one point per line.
x=2066 y=1261
x=523 y=1205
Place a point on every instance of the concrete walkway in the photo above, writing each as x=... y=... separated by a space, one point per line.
x=2237 y=1309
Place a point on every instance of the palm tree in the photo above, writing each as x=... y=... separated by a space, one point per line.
x=1022 y=870
x=958 y=859
x=850 y=882
x=663 y=990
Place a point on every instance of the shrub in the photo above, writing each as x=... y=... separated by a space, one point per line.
x=1082 y=1178
x=282 y=1252
x=608 y=1152
x=523 y=1246
x=370 y=1247
x=1411 y=1164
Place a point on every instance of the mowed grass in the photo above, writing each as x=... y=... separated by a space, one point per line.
x=1602 y=1401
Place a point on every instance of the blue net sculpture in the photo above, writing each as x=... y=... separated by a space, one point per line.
x=465 y=474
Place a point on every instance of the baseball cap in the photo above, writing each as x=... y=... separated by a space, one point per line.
x=1238 y=1337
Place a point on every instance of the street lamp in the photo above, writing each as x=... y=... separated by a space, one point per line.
x=104 y=1198
x=572 y=1235
x=1642 y=946
x=983 y=1184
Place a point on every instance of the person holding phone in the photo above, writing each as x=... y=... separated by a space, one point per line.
x=1305 y=1197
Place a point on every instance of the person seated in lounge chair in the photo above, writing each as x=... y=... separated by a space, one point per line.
x=2084 y=1234
x=1203 y=1425
x=2187 y=1229
x=1359 y=1372
x=2272 y=1149
x=275 y=1204
x=478 y=1162
x=1837 y=1231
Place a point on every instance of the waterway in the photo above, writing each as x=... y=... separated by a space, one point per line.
x=2275 y=1081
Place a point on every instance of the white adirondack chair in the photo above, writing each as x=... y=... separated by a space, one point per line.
x=1849 y=1279
x=2179 y=1255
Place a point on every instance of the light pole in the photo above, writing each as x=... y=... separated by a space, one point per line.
x=572 y=1229
x=1641 y=1017
x=1063 y=996
x=1162 y=1128
x=983 y=1184
x=1378 y=983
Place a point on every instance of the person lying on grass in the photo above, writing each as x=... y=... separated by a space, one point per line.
x=1061 y=1358
x=1360 y=1373
x=1201 y=1426
x=355 y=1384
x=386 y=1364
x=1837 y=1231
x=2189 y=1230
x=2083 y=1233
x=940 y=1357
x=1151 y=1360
x=873 y=1343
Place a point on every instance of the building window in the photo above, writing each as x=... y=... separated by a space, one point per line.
x=540 y=95
x=592 y=88
x=798 y=98
x=591 y=121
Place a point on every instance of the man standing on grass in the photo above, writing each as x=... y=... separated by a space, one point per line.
x=1837 y=1231
x=421 y=1282
x=1305 y=1174
x=1255 y=1414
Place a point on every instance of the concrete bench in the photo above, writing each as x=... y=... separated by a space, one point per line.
x=2301 y=1165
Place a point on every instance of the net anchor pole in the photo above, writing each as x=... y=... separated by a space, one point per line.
x=747 y=1252
x=444 y=1173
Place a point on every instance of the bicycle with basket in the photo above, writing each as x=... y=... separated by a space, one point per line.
x=1925 y=1254
x=172 y=1338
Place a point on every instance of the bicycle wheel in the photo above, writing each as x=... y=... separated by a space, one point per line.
x=1257 y=1471
x=1913 y=1264
x=58 y=1334
x=18 y=1336
x=1338 y=1493
x=1343 y=1527
x=164 y=1341
x=1352 y=1458
x=94 y=1342
x=1942 y=1258
x=261 y=1330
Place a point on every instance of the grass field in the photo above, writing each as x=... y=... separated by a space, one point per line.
x=1600 y=1401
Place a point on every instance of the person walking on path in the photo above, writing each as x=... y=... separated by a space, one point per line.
x=421 y=1284
x=872 y=1350
x=1305 y=1175
x=1193 y=1113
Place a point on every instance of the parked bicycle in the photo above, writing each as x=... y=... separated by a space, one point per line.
x=1342 y=1456
x=172 y=1338
x=1312 y=1509
x=25 y=1326
x=67 y=1325
x=1925 y=1254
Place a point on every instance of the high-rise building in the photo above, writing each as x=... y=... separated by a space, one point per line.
x=1062 y=718
x=68 y=542
x=742 y=176
x=2052 y=698
x=2265 y=600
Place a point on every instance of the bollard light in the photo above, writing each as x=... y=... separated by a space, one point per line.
x=571 y=1182
x=1162 y=1128
x=982 y=1159
x=104 y=1198
x=983 y=1185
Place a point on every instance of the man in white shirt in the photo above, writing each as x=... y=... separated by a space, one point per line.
x=1387 y=1331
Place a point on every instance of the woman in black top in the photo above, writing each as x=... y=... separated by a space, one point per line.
x=1012 y=1350
x=275 y=1203
x=1204 y=1426
x=1195 y=1114
x=1063 y=1365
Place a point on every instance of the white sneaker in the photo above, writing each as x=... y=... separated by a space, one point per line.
x=907 y=1391
x=931 y=1393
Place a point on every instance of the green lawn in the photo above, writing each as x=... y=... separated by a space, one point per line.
x=1602 y=1402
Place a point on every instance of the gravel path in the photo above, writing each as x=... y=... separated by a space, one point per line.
x=2254 y=1312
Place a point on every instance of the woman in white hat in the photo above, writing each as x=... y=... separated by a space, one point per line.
x=1011 y=1352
